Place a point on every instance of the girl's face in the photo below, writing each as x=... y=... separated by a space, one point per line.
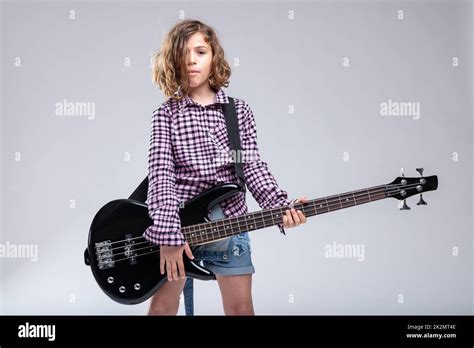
x=199 y=59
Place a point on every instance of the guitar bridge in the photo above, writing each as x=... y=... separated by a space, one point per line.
x=128 y=249
x=105 y=258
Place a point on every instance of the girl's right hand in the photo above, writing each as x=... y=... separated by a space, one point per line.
x=171 y=259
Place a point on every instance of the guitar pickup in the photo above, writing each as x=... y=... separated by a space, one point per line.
x=129 y=251
x=105 y=258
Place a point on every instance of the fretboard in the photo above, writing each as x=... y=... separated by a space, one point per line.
x=227 y=227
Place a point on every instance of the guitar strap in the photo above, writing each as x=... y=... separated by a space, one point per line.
x=140 y=193
x=232 y=123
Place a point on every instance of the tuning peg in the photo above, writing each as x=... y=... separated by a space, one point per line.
x=422 y=201
x=402 y=171
x=420 y=170
x=405 y=206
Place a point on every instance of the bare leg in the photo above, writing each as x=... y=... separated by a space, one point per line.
x=166 y=300
x=236 y=292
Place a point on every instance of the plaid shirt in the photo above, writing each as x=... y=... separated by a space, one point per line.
x=188 y=151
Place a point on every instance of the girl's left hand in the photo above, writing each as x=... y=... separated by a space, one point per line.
x=294 y=217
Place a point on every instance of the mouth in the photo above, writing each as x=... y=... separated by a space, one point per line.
x=193 y=72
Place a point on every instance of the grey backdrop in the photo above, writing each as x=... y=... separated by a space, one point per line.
x=315 y=74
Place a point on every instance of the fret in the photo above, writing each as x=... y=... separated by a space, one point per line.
x=198 y=233
x=254 y=223
x=255 y=219
x=226 y=227
x=347 y=200
x=217 y=228
x=211 y=230
x=321 y=206
x=278 y=216
x=223 y=228
x=230 y=227
x=234 y=226
x=187 y=235
x=365 y=197
x=375 y=194
x=191 y=233
x=243 y=221
x=195 y=233
x=264 y=216
x=203 y=233
x=263 y=219
x=250 y=227
x=238 y=226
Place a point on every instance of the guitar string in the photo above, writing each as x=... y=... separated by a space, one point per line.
x=267 y=218
x=378 y=187
x=389 y=194
x=268 y=215
x=327 y=199
x=260 y=220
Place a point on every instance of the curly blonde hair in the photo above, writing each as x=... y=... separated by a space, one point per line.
x=169 y=68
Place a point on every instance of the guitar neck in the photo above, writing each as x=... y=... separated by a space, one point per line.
x=226 y=227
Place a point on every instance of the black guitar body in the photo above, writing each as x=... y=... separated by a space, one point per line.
x=125 y=265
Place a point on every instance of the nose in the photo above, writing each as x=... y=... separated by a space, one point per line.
x=192 y=58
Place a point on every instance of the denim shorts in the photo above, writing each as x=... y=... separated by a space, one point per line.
x=228 y=256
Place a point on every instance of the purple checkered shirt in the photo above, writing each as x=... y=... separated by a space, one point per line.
x=189 y=153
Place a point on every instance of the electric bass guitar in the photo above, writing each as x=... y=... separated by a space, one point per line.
x=127 y=267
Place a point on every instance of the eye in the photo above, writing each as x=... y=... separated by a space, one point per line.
x=202 y=52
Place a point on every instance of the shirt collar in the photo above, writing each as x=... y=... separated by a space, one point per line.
x=220 y=98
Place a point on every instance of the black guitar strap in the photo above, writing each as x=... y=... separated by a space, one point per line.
x=232 y=123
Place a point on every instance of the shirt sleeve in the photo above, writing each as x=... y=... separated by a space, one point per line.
x=163 y=204
x=260 y=182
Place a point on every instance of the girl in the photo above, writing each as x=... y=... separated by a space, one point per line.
x=188 y=134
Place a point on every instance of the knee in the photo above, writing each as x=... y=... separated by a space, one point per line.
x=240 y=309
x=160 y=307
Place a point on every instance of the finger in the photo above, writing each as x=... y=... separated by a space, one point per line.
x=302 y=199
x=302 y=217
x=296 y=218
x=290 y=219
x=162 y=265
x=174 y=268
x=286 y=218
x=188 y=251
x=168 y=270
x=181 y=269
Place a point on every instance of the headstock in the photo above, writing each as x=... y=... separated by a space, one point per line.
x=403 y=187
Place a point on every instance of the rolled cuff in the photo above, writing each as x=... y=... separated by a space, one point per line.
x=175 y=238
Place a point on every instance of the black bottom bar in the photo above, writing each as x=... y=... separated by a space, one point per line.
x=140 y=330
